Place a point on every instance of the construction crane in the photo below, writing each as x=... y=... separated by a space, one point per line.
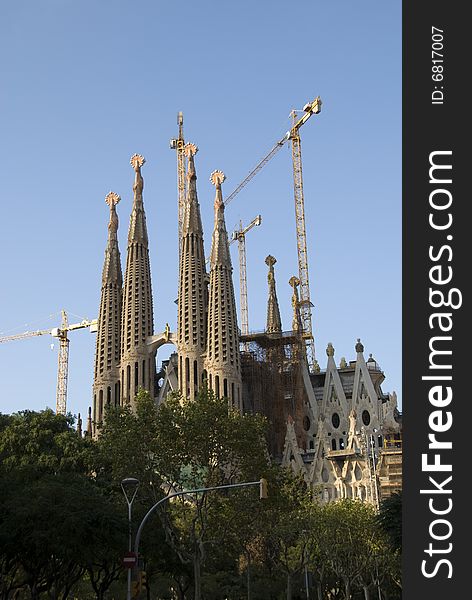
x=311 y=108
x=178 y=145
x=63 y=358
x=240 y=236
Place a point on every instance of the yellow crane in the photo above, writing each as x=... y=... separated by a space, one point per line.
x=305 y=305
x=240 y=236
x=178 y=144
x=63 y=358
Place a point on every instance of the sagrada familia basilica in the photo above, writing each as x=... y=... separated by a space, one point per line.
x=335 y=426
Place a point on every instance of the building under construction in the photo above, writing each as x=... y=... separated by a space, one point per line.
x=330 y=425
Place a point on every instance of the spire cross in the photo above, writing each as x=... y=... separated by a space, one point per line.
x=112 y=199
x=137 y=161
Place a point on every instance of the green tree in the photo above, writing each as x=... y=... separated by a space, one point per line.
x=203 y=443
x=57 y=522
x=390 y=519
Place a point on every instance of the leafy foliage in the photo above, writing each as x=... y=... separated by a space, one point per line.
x=64 y=527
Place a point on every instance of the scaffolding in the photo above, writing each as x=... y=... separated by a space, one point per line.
x=273 y=384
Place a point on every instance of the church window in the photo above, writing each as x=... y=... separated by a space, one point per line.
x=335 y=420
x=100 y=405
x=306 y=423
x=341 y=443
x=108 y=395
x=333 y=444
x=225 y=387
x=217 y=386
x=365 y=417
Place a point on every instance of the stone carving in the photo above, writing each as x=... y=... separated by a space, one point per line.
x=112 y=199
x=137 y=161
x=190 y=149
x=217 y=178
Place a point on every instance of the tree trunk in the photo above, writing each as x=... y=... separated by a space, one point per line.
x=248 y=577
x=366 y=593
x=348 y=590
x=289 y=586
x=319 y=590
x=197 y=575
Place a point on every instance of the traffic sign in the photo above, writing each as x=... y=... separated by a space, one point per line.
x=129 y=560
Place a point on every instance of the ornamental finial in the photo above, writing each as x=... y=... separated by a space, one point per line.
x=330 y=349
x=190 y=149
x=270 y=261
x=137 y=161
x=112 y=199
x=217 y=178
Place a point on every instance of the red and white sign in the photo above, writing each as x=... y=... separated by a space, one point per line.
x=129 y=560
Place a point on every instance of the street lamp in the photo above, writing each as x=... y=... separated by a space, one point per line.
x=129 y=485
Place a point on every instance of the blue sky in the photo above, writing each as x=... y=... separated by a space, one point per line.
x=84 y=85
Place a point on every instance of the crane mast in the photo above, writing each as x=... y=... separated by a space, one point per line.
x=63 y=356
x=305 y=305
x=178 y=144
x=62 y=366
x=240 y=236
x=304 y=285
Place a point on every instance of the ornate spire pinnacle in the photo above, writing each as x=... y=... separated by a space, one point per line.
x=137 y=228
x=359 y=346
x=79 y=425
x=274 y=322
x=296 y=320
x=217 y=178
x=330 y=349
x=220 y=245
x=112 y=200
x=192 y=221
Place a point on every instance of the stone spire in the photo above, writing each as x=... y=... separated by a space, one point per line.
x=106 y=384
x=193 y=293
x=274 y=322
x=222 y=361
x=296 y=319
x=88 y=432
x=138 y=366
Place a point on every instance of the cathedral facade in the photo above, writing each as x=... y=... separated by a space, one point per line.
x=335 y=426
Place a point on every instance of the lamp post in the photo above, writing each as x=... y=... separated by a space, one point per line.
x=131 y=484
x=262 y=483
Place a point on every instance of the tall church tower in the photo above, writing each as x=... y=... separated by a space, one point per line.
x=138 y=366
x=223 y=360
x=106 y=384
x=193 y=294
